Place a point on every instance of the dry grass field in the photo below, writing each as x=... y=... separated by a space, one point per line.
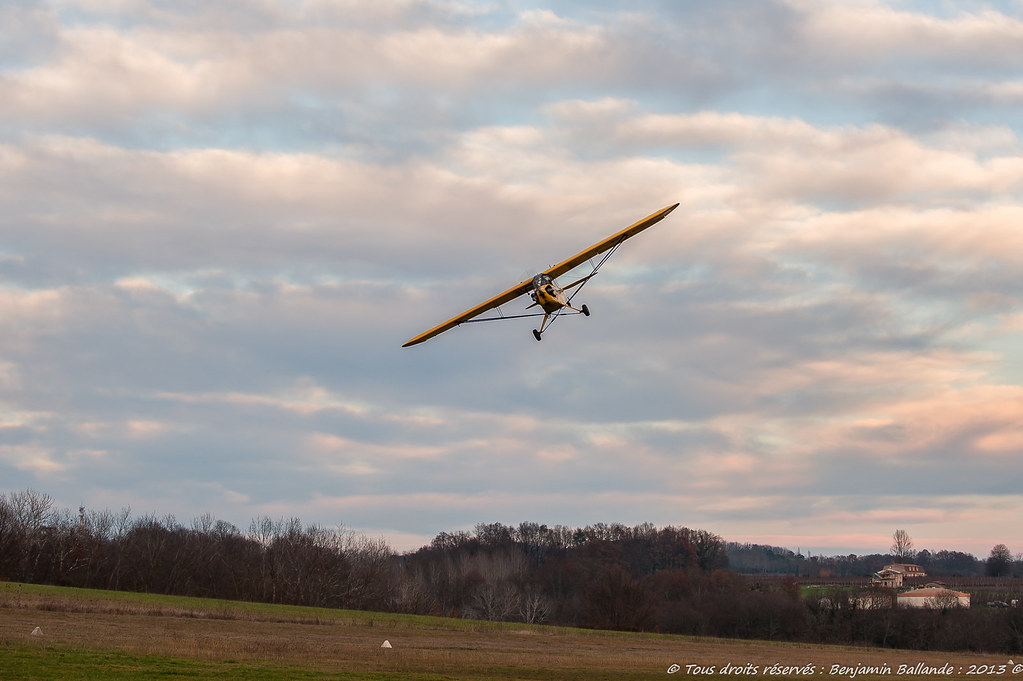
x=106 y=635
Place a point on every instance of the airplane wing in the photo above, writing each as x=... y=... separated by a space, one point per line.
x=608 y=243
x=508 y=296
x=554 y=272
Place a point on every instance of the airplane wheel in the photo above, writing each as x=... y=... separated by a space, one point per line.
x=536 y=334
x=586 y=311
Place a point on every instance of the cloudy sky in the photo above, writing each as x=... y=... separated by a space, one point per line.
x=219 y=221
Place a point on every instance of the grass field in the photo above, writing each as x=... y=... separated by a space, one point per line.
x=99 y=635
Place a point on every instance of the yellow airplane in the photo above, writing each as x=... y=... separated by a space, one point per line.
x=544 y=290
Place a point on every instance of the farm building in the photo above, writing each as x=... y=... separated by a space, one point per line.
x=908 y=570
x=891 y=579
x=933 y=597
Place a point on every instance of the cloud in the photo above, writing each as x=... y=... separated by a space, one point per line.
x=878 y=33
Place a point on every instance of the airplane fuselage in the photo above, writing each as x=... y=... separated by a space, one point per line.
x=547 y=294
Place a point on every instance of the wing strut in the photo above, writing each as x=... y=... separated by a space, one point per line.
x=596 y=268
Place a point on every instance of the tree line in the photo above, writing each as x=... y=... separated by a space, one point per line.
x=760 y=559
x=608 y=576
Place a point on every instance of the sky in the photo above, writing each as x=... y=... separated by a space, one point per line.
x=219 y=221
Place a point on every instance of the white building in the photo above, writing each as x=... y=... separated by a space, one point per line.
x=933 y=597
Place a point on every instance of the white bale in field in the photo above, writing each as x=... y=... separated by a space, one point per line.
x=37 y=632
x=386 y=644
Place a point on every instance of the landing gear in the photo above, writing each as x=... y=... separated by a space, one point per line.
x=537 y=333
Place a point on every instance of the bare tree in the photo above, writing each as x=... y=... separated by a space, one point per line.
x=495 y=601
x=944 y=601
x=370 y=583
x=902 y=546
x=32 y=509
x=534 y=606
x=31 y=515
x=411 y=592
